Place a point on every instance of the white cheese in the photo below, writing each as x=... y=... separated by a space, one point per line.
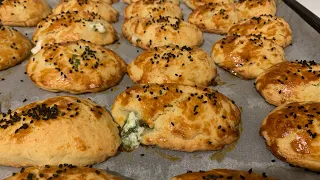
x=135 y=38
x=132 y=140
x=99 y=27
x=37 y=48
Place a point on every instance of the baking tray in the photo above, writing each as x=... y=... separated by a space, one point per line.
x=153 y=163
x=306 y=14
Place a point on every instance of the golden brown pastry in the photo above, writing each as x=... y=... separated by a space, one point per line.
x=74 y=26
x=110 y=2
x=177 y=2
x=193 y=4
x=173 y=64
x=62 y=172
x=270 y=27
x=246 y=9
x=290 y=82
x=104 y=9
x=151 y=8
x=57 y=130
x=14 y=47
x=22 y=12
x=161 y=31
x=214 y=18
x=223 y=174
x=246 y=56
x=292 y=133
x=78 y=67
x=176 y=117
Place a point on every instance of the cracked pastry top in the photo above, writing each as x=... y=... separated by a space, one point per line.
x=74 y=26
x=14 y=47
x=161 y=31
x=176 y=117
x=173 y=64
x=246 y=56
x=291 y=132
x=75 y=67
x=55 y=131
x=290 y=81
x=22 y=12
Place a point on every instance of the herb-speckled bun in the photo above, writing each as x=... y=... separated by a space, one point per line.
x=76 y=67
x=74 y=26
x=177 y=117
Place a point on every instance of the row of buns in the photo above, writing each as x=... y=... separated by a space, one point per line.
x=67 y=171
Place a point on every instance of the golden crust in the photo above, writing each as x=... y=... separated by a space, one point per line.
x=78 y=67
x=110 y=2
x=246 y=56
x=176 y=2
x=271 y=27
x=292 y=133
x=173 y=64
x=66 y=171
x=222 y=174
x=152 y=8
x=246 y=9
x=214 y=18
x=193 y=4
x=57 y=130
x=290 y=82
x=14 y=47
x=161 y=31
x=22 y=12
x=104 y=9
x=74 y=26
x=180 y=117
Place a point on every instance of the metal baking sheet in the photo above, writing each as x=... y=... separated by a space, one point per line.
x=156 y=164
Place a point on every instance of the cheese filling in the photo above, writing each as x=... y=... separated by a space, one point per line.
x=131 y=132
x=37 y=48
x=99 y=27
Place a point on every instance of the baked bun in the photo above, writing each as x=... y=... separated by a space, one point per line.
x=22 y=12
x=77 y=67
x=222 y=174
x=193 y=4
x=63 y=171
x=177 y=2
x=290 y=82
x=161 y=31
x=246 y=9
x=104 y=9
x=214 y=18
x=152 y=8
x=173 y=64
x=268 y=26
x=104 y=1
x=14 y=47
x=292 y=133
x=246 y=56
x=74 y=26
x=58 y=130
x=176 y=117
